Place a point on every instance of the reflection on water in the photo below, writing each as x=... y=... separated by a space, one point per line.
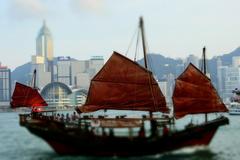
x=199 y=154
x=196 y=155
x=17 y=143
x=203 y=154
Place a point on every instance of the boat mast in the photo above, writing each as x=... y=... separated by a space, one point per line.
x=204 y=71
x=204 y=60
x=141 y=26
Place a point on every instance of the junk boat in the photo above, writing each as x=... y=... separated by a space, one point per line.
x=123 y=84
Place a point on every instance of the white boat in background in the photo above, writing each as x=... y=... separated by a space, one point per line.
x=234 y=108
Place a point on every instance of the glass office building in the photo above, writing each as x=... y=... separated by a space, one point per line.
x=5 y=86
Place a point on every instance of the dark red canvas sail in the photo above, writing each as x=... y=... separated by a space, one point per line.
x=25 y=96
x=194 y=94
x=122 y=84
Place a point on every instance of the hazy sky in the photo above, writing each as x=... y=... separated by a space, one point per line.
x=83 y=28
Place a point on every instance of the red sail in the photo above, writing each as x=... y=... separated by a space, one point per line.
x=124 y=85
x=195 y=94
x=25 y=96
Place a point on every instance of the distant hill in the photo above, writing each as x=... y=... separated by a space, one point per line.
x=21 y=73
x=161 y=65
x=227 y=58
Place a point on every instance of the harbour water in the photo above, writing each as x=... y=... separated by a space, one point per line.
x=17 y=143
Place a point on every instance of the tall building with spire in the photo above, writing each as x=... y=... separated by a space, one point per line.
x=44 y=43
x=66 y=70
x=43 y=60
x=44 y=47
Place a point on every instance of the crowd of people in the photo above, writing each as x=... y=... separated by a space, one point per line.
x=65 y=118
x=57 y=117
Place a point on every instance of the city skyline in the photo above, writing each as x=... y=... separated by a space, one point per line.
x=82 y=29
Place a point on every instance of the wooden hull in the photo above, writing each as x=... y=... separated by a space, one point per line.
x=80 y=142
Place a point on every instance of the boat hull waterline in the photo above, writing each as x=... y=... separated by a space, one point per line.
x=80 y=142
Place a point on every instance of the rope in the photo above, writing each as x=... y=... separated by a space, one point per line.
x=130 y=44
x=137 y=46
x=149 y=58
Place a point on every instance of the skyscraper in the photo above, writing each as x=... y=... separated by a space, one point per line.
x=44 y=47
x=228 y=78
x=5 y=85
x=64 y=70
x=95 y=64
x=43 y=60
x=44 y=44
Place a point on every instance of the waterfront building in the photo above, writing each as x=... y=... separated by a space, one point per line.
x=5 y=86
x=83 y=80
x=83 y=71
x=162 y=83
x=221 y=75
x=77 y=73
x=232 y=81
x=78 y=97
x=228 y=78
x=42 y=77
x=167 y=84
x=59 y=96
x=78 y=67
x=170 y=85
x=56 y=94
x=95 y=64
x=64 y=70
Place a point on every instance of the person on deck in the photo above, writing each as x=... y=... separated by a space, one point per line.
x=153 y=127
x=165 y=130
x=57 y=118
x=141 y=132
x=67 y=117
x=111 y=133
x=74 y=116
x=62 y=118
